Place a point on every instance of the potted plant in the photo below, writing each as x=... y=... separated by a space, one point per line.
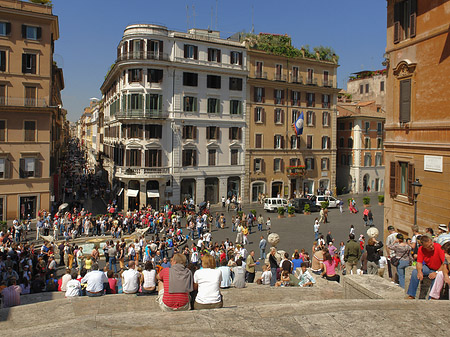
x=366 y=201
x=291 y=211
x=324 y=204
x=281 y=211
x=253 y=211
x=307 y=209
x=381 y=200
x=240 y=213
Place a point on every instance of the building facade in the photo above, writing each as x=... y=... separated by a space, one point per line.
x=174 y=117
x=32 y=122
x=367 y=86
x=417 y=142
x=278 y=161
x=360 y=135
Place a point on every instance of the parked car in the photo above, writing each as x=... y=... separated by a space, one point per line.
x=299 y=205
x=332 y=201
x=272 y=204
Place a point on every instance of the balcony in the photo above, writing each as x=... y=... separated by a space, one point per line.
x=143 y=55
x=141 y=113
x=311 y=81
x=260 y=74
x=210 y=63
x=141 y=172
x=327 y=83
x=22 y=101
x=297 y=79
x=280 y=77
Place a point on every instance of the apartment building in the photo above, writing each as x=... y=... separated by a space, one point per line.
x=174 y=117
x=32 y=122
x=367 y=86
x=417 y=146
x=278 y=161
x=360 y=135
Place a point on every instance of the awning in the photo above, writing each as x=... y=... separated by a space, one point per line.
x=132 y=193
x=120 y=192
x=153 y=194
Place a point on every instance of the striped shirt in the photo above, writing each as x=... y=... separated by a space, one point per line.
x=11 y=296
x=174 y=300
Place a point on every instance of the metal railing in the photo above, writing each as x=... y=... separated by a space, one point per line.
x=143 y=55
x=280 y=77
x=23 y=101
x=210 y=63
x=297 y=79
x=311 y=81
x=140 y=113
x=141 y=171
x=327 y=83
x=261 y=74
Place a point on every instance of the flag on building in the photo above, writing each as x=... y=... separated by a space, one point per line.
x=298 y=125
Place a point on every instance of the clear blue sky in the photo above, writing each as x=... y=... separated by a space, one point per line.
x=91 y=30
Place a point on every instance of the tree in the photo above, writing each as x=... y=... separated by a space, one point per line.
x=42 y=2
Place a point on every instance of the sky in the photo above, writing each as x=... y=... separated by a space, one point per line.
x=90 y=31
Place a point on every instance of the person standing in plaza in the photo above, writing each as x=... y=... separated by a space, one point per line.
x=316 y=229
x=239 y=235
x=268 y=225
x=273 y=266
x=322 y=215
x=352 y=254
x=262 y=248
x=260 y=222
x=250 y=267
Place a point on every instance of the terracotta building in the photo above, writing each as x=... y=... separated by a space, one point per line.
x=278 y=162
x=31 y=118
x=417 y=145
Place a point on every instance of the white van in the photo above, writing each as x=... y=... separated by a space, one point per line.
x=332 y=201
x=272 y=204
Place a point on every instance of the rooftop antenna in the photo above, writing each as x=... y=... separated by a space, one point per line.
x=187 y=17
x=217 y=6
x=253 y=20
x=212 y=13
x=193 y=15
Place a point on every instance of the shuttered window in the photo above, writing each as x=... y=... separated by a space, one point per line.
x=153 y=158
x=211 y=157
x=401 y=177
x=405 y=20
x=405 y=101
x=29 y=63
x=30 y=131
x=258 y=141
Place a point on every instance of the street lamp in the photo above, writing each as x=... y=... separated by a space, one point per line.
x=416 y=186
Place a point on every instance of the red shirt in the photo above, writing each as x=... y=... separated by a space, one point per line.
x=175 y=300
x=112 y=284
x=433 y=259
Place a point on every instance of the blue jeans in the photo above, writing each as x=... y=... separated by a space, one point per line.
x=94 y=294
x=262 y=253
x=316 y=236
x=260 y=227
x=401 y=272
x=414 y=283
x=273 y=279
x=112 y=262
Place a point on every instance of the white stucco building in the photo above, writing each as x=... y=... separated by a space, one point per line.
x=174 y=116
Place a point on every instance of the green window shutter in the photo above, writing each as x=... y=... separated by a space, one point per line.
x=160 y=103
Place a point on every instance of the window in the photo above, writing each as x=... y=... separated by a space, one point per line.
x=236 y=57
x=189 y=104
x=189 y=132
x=405 y=13
x=212 y=132
x=278 y=141
x=278 y=72
x=235 y=83
x=378 y=159
x=5 y=28
x=278 y=96
x=214 y=55
x=382 y=86
x=341 y=126
x=3 y=164
x=2 y=131
x=326 y=142
x=294 y=162
x=258 y=164
x=29 y=167
x=30 y=131
x=2 y=60
x=310 y=99
x=350 y=160
x=135 y=101
x=325 y=101
x=2 y=94
x=29 y=63
x=310 y=76
x=379 y=143
x=326 y=79
x=277 y=164
x=258 y=141
x=134 y=75
x=189 y=157
x=213 y=105
x=367 y=88
x=211 y=157
x=343 y=159
x=379 y=128
x=190 y=79
x=213 y=81
x=405 y=101
x=295 y=115
x=309 y=163
x=133 y=157
x=153 y=102
x=31 y=33
x=235 y=133
x=324 y=164
x=153 y=131
x=30 y=96
x=295 y=98
x=190 y=52
x=259 y=115
x=367 y=159
x=325 y=118
x=295 y=142
x=401 y=177
x=259 y=95
x=153 y=158
x=235 y=107
x=309 y=142
x=310 y=117
x=259 y=69
x=361 y=89
x=294 y=75
x=155 y=75
x=341 y=142
x=234 y=156
x=350 y=125
x=350 y=143
x=278 y=116
x=366 y=127
x=367 y=143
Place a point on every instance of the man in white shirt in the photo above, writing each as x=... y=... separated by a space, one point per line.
x=94 y=280
x=73 y=286
x=130 y=279
x=66 y=278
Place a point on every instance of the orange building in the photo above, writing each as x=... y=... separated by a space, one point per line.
x=417 y=145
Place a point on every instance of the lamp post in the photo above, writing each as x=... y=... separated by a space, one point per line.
x=417 y=186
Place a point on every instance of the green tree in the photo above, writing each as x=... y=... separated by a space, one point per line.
x=42 y=2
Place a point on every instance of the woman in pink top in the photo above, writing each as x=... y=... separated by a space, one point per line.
x=112 y=282
x=329 y=268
